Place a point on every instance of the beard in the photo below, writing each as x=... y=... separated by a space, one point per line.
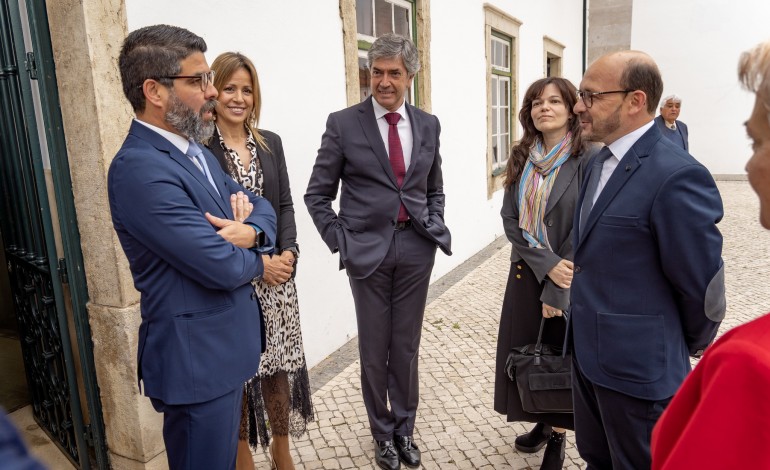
x=601 y=129
x=189 y=123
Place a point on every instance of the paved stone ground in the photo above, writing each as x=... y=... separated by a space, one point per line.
x=456 y=425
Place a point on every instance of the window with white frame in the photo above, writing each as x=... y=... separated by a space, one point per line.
x=500 y=105
x=373 y=19
x=502 y=33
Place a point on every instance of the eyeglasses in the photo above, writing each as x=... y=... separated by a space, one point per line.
x=204 y=77
x=588 y=96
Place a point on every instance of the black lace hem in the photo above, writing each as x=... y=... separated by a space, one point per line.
x=290 y=414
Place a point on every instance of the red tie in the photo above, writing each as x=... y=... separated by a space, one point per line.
x=396 y=155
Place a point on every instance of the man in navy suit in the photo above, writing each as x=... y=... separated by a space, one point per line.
x=391 y=219
x=200 y=336
x=668 y=123
x=648 y=285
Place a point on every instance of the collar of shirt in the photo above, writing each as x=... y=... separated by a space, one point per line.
x=380 y=111
x=177 y=140
x=621 y=146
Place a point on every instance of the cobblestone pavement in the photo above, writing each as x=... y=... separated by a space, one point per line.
x=456 y=426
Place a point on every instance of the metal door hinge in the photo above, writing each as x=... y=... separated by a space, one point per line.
x=62 y=270
x=31 y=66
x=88 y=434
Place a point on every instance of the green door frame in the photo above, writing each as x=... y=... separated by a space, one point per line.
x=70 y=268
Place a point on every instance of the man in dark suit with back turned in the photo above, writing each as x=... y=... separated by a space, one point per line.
x=648 y=285
x=391 y=219
x=173 y=209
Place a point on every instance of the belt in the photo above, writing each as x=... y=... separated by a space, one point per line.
x=403 y=225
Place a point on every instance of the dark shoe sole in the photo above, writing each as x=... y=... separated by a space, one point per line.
x=417 y=465
x=530 y=450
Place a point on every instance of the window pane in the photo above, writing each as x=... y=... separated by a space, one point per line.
x=364 y=78
x=383 y=17
x=504 y=85
x=493 y=52
x=504 y=148
x=364 y=17
x=494 y=90
x=506 y=55
x=401 y=19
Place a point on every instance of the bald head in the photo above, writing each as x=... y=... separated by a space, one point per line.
x=635 y=70
x=621 y=91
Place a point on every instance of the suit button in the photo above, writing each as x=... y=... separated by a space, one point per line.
x=550 y=222
x=577 y=269
x=401 y=193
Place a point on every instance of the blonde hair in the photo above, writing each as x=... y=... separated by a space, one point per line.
x=754 y=71
x=225 y=65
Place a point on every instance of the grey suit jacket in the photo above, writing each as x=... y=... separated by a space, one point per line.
x=558 y=219
x=352 y=153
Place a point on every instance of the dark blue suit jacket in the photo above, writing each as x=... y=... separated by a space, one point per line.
x=200 y=335
x=648 y=288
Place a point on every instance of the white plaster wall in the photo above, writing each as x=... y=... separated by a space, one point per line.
x=297 y=49
x=460 y=101
x=696 y=45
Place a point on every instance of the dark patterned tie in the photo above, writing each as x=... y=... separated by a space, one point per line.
x=592 y=185
x=396 y=156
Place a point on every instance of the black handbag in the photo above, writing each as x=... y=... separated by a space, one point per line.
x=543 y=376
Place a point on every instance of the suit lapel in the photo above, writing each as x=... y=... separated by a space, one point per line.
x=567 y=172
x=416 y=124
x=163 y=145
x=627 y=166
x=373 y=136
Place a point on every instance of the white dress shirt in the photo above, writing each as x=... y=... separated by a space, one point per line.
x=176 y=140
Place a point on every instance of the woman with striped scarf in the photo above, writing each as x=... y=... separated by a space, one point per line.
x=542 y=180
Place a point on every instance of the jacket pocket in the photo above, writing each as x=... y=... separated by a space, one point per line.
x=200 y=314
x=619 y=220
x=354 y=224
x=631 y=347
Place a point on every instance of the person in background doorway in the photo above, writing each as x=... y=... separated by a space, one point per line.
x=254 y=158
x=542 y=179
x=729 y=387
x=669 y=125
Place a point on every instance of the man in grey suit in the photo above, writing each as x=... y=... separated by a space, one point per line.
x=671 y=127
x=391 y=219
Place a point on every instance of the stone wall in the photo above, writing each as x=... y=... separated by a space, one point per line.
x=86 y=37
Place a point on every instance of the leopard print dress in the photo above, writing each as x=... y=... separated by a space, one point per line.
x=282 y=367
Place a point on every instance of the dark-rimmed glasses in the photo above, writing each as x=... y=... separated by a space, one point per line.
x=588 y=96
x=204 y=77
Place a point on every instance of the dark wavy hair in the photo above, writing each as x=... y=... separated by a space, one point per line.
x=520 y=151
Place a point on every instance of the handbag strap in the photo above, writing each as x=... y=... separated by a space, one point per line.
x=539 y=344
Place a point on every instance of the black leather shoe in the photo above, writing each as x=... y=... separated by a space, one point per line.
x=385 y=455
x=553 y=457
x=534 y=440
x=407 y=451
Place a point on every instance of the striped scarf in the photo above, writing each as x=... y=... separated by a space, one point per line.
x=535 y=185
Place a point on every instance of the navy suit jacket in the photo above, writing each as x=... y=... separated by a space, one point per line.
x=648 y=288
x=681 y=128
x=352 y=151
x=200 y=335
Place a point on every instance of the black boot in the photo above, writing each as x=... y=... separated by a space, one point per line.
x=553 y=457
x=534 y=440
